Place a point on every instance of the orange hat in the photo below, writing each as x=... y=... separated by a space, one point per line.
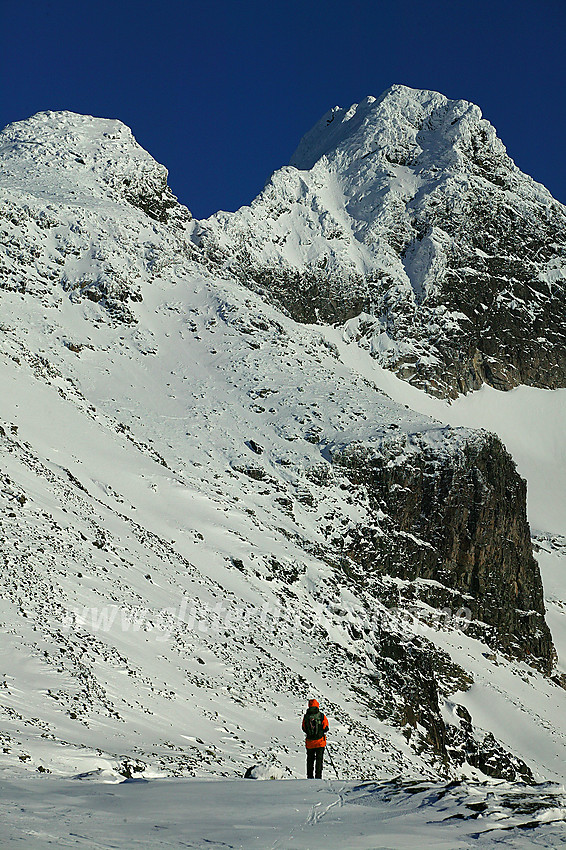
x=313 y=703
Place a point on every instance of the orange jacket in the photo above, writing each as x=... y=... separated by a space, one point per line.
x=320 y=742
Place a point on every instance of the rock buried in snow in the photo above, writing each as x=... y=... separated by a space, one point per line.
x=100 y=774
x=261 y=771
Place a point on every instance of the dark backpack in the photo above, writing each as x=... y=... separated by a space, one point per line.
x=313 y=725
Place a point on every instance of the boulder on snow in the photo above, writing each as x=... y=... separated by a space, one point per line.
x=262 y=771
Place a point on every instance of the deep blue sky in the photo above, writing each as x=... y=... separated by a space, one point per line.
x=221 y=91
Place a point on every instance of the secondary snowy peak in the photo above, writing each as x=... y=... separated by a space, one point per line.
x=71 y=154
x=63 y=138
x=85 y=208
x=405 y=214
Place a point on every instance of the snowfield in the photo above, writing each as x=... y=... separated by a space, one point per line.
x=392 y=814
x=173 y=580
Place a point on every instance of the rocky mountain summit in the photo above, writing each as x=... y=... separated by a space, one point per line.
x=208 y=512
x=405 y=218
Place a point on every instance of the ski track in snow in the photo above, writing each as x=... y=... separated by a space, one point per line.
x=290 y=815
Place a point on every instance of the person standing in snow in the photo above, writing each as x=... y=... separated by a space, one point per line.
x=315 y=727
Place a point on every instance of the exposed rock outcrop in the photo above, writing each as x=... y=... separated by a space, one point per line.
x=410 y=683
x=457 y=519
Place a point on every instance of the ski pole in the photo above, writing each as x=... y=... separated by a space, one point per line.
x=332 y=762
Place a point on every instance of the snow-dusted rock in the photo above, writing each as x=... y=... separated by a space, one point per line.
x=265 y=771
x=77 y=154
x=406 y=215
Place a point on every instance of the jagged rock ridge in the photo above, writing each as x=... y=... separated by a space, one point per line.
x=406 y=215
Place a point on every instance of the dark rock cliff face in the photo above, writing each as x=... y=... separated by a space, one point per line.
x=307 y=296
x=458 y=520
x=499 y=260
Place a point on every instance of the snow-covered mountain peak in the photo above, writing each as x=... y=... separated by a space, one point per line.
x=406 y=213
x=66 y=140
x=71 y=155
x=403 y=122
x=61 y=130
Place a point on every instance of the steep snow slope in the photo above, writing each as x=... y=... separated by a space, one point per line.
x=174 y=576
x=408 y=210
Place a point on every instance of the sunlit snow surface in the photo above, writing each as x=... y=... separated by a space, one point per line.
x=291 y=815
x=124 y=500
